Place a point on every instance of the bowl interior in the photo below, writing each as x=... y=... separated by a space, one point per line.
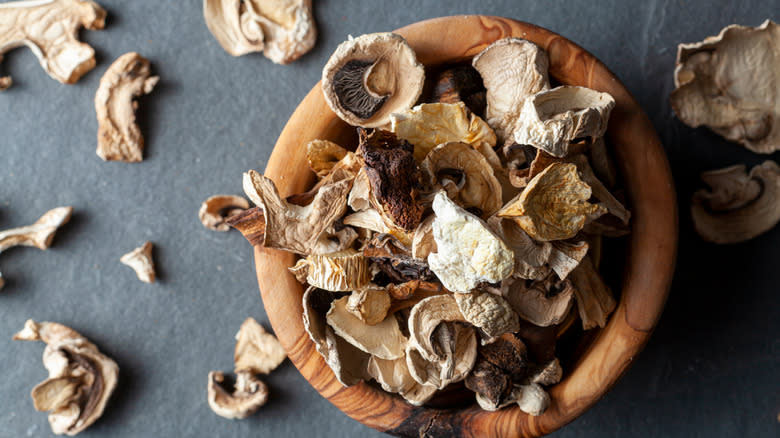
x=647 y=274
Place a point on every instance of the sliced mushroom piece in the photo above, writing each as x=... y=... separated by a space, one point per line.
x=248 y=395
x=566 y=255
x=739 y=205
x=337 y=272
x=370 y=77
x=332 y=241
x=282 y=29
x=81 y=378
x=383 y=340
x=251 y=224
x=594 y=299
x=491 y=384
x=456 y=345
x=5 y=82
x=393 y=375
x=508 y=353
x=425 y=317
x=423 y=242
x=119 y=138
x=512 y=69
x=257 y=351
x=551 y=120
x=531 y=399
x=461 y=83
x=549 y=374
x=542 y=303
x=369 y=304
x=140 y=259
x=345 y=169
x=603 y=166
x=430 y=124
x=50 y=29
x=730 y=83
x=600 y=191
x=217 y=209
x=323 y=155
x=531 y=257
x=487 y=312
x=360 y=196
x=393 y=258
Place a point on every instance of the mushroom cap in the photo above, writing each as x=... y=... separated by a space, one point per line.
x=370 y=77
x=250 y=393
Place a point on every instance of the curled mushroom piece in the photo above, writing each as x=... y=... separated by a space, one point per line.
x=337 y=272
x=370 y=77
x=369 y=304
x=594 y=299
x=81 y=378
x=531 y=257
x=461 y=84
x=248 y=395
x=423 y=242
x=488 y=312
x=394 y=376
x=257 y=351
x=323 y=156
x=542 y=303
x=118 y=137
x=5 y=82
x=251 y=224
x=383 y=340
x=739 y=205
x=140 y=259
x=731 y=84
x=215 y=211
x=50 y=29
x=283 y=30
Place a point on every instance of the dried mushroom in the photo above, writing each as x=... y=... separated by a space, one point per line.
x=461 y=84
x=336 y=272
x=393 y=375
x=5 y=82
x=468 y=253
x=81 y=378
x=542 y=303
x=140 y=259
x=369 y=305
x=370 y=77
x=423 y=242
x=323 y=156
x=488 y=312
x=383 y=340
x=739 y=205
x=50 y=29
x=531 y=257
x=283 y=30
x=257 y=351
x=118 y=137
x=731 y=84
x=531 y=399
x=215 y=211
x=594 y=299
x=39 y=235
x=248 y=395
x=431 y=124
x=251 y=224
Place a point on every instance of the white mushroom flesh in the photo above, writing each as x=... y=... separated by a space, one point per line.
x=140 y=259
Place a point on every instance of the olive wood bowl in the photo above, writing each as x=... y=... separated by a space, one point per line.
x=649 y=261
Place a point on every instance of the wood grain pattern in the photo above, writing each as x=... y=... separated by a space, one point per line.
x=648 y=272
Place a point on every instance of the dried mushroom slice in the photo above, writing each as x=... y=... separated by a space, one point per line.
x=360 y=196
x=542 y=303
x=551 y=120
x=50 y=29
x=119 y=138
x=512 y=69
x=531 y=257
x=383 y=340
x=251 y=224
x=257 y=351
x=323 y=156
x=215 y=211
x=370 y=77
x=393 y=376
x=731 y=84
x=370 y=304
x=490 y=313
x=392 y=257
x=337 y=272
x=81 y=378
x=531 y=399
x=739 y=205
x=431 y=124
x=140 y=259
x=554 y=206
x=424 y=319
x=600 y=191
x=458 y=348
x=423 y=242
x=594 y=299
x=567 y=255
x=461 y=83
x=468 y=252
x=282 y=29
x=248 y=395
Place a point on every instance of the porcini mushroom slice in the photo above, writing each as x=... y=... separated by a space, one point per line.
x=393 y=375
x=550 y=120
x=248 y=395
x=489 y=313
x=119 y=138
x=554 y=206
x=512 y=69
x=566 y=255
x=430 y=124
x=731 y=84
x=542 y=303
x=282 y=29
x=370 y=77
x=140 y=259
x=425 y=317
x=323 y=155
x=468 y=253
x=217 y=209
x=491 y=384
x=600 y=191
x=531 y=257
x=251 y=224
x=383 y=340
x=369 y=304
x=337 y=272
x=50 y=29
x=81 y=378
x=257 y=351
x=739 y=205
x=594 y=299
x=457 y=345
x=360 y=195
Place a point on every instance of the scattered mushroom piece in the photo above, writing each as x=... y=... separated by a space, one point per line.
x=215 y=211
x=81 y=378
x=594 y=299
x=430 y=124
x=251 y=224
x=369 y=304
x=5 y=82
x=370 y=77
x=467 y=251
x=383 y=340
x=490 y=313
x=554 y=206
x=257 y=351
x=337 y=272
x=512 y=69
x=551 y=119
x=323 y=155
x=283 y=30
x=542 y=303
x=140 y=259
x=119 y=138
x=248 y=395
x=730 y=83
x=50 y=29
x=461 y=83
x=739 y=205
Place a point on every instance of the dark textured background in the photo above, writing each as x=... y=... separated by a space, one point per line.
x=711 y=369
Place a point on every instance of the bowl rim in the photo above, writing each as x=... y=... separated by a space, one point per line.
x=648 y=271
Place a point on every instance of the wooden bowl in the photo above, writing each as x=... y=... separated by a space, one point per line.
x=648 y=266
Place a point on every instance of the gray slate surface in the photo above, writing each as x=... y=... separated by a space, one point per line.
x=710 y=370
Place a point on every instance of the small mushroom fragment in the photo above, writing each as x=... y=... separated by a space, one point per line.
x=426 y=317
x=323 y=155
x=551 y=120
x=370 y=305
x=739 y=205
x=50 y=29
x=531 y=399
x=491 y=384
x=337 y=272
x=423 y=242
x=248 y=395
x=383 y=340
x=393 y=376
x=140 y=259
x=215 y=211
x=430 y=124
x=39 y=235
x=490 y=313
x=5 y=82
x=531 y=257
x=455 y=353
x=542 y=303
x=282 y=29
x=594 y=299
x=81 y=378
x=370 y=77
x=512 y=69
x=731 y=84
x=554 y=206
x=251 y=224
x=360 y=196
x=257 y=351
x=118 y=137
x=461 y=83
x=566 y=255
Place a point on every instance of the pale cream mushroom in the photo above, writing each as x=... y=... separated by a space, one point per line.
x=369 y=304
x=383 y=340
x=531 y=398
x=370 y=77
x=248 y=395
x=257 y=351
x=81 y=378
x=394 y=376
x=283 y=30
x=739 y=205
x=50 y=29
x=566 y=255
x=425 y=318
x=594 y=299
x=323 y=155
x=531 y=257
x=542 y=303
x=140 y=259
x=337 y=272
x=731 y=84
x=360 y=196
x=423 y=242
x=217 y=209
x=488 y=312
x=119 y=138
